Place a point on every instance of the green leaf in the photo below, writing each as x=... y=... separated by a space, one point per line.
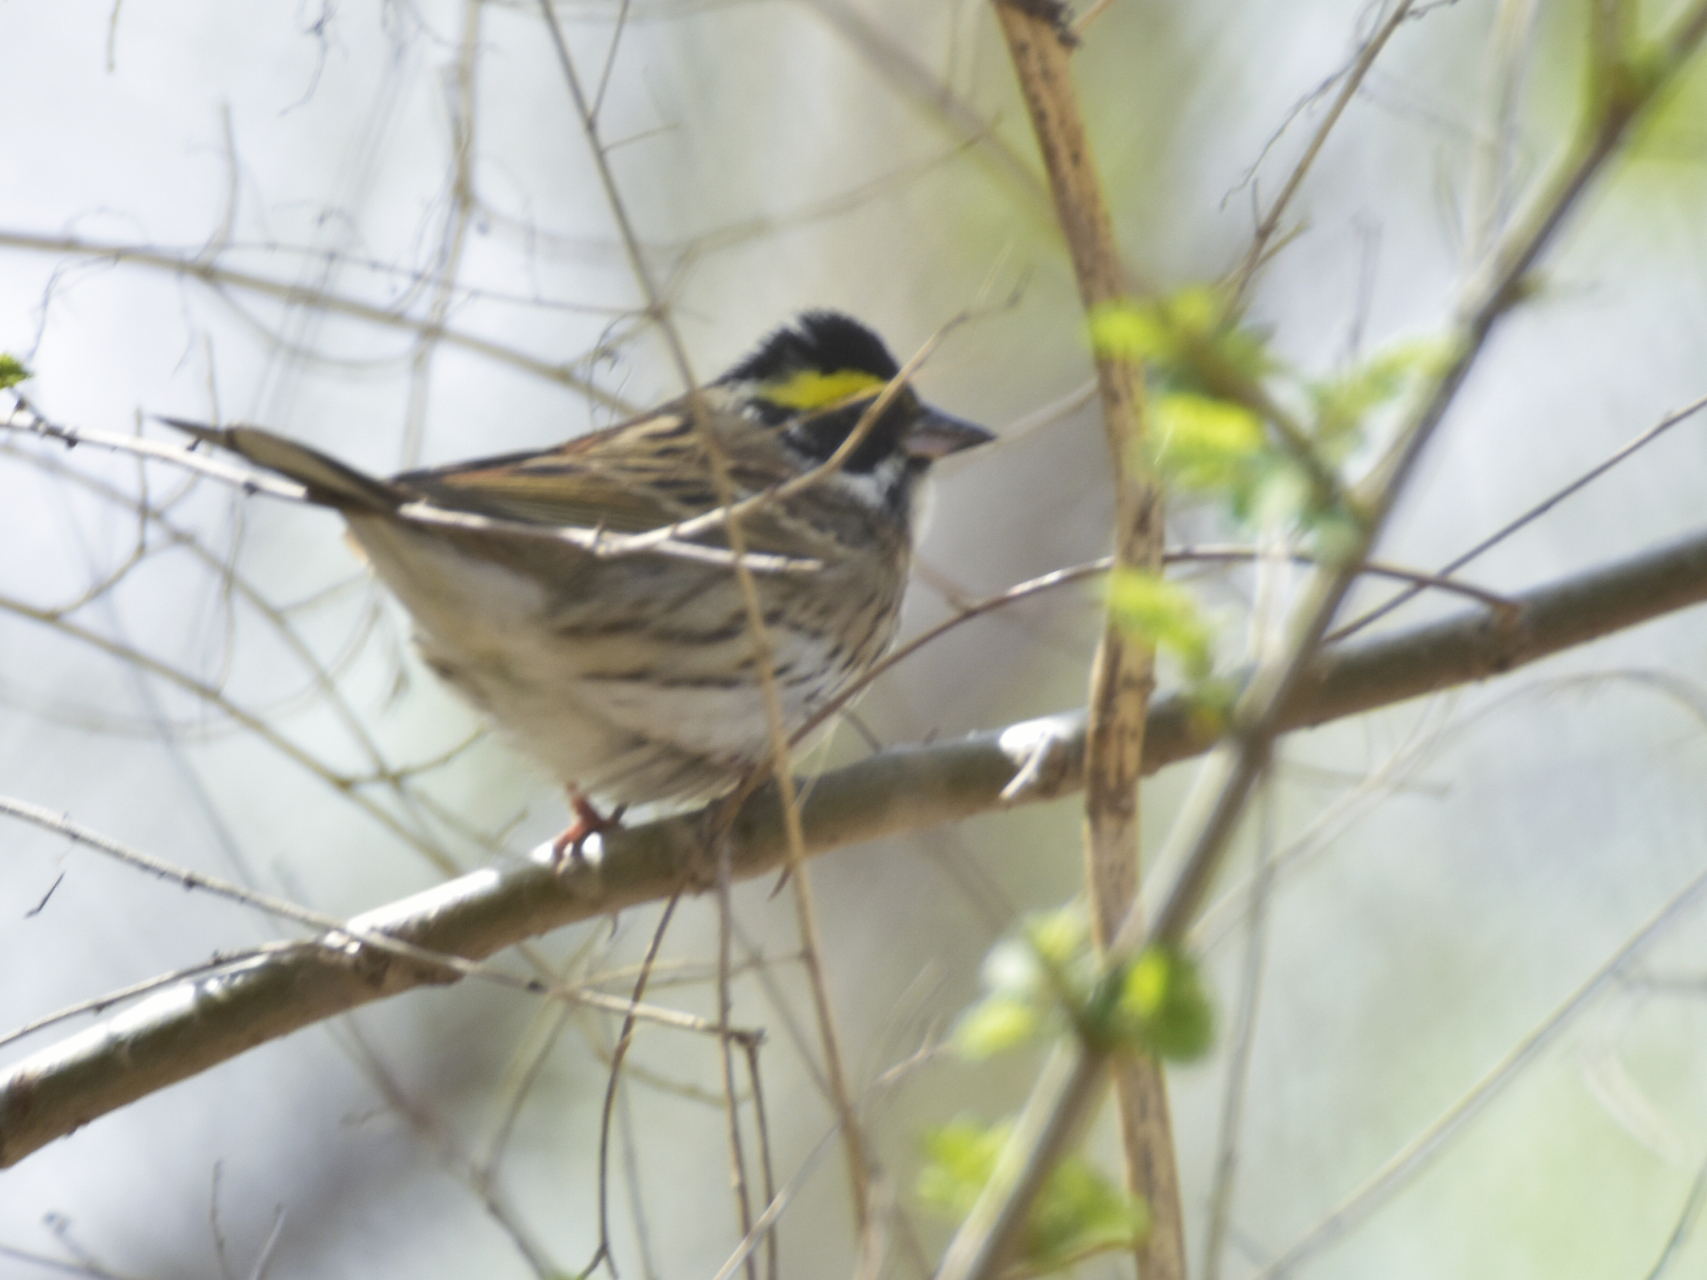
x=1197 y=309
x=12 y=371
x=1280 y=495
x=1189 y=337
x=1034 y=984
x=1149 y=606
x=1079 y=1212
x=1344 y=403
x=994 y=1025
x=1164 y=998
x=1206 y=444
x=1133 y=331
x=1060 y=937
x=959 y=1158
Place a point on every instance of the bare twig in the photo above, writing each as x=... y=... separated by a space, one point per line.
x=859 y=1165
x=726 y=1052
x=1528 y=517
x=1241 y=1036
x=1402 y=1167
x=341 y=938
x=1502 y=607
x=447 y=1152
x=896 y=61
x=220 y=278
x=595 y=541
x=613 y=1081
x=464 y=203
x=1354 y=78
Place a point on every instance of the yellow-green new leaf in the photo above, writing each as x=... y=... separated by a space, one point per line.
x=1204 y=443
x=1060 y=937
x=1149 y=606
x=1079 y=1212
x=1165 y=1000
x=1342 y=404
x=994 y=1025
x=1131 y=331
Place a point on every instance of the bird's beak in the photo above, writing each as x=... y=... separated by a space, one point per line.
x=933 y=435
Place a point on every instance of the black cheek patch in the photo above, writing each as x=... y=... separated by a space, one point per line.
x=819 y=436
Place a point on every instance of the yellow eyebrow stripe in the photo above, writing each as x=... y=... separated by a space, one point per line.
x=810 y=389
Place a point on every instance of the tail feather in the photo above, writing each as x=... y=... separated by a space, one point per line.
x=328 y=481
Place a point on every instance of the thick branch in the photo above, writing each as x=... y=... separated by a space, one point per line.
x=191 y=1027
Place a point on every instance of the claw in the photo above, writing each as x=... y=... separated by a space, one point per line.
x=588 y=822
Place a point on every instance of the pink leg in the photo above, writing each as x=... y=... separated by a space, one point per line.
x=588 y=822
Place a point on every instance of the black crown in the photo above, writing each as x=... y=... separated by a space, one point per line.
x=822 y=341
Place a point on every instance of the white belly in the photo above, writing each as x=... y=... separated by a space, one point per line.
x=654 y=697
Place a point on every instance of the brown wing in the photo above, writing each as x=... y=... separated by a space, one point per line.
x=630 y=478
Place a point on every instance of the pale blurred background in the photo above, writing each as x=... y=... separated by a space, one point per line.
x=775 y=157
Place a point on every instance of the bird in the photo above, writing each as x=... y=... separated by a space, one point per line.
x=630 y=671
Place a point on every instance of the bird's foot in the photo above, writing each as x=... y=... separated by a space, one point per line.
x=589 y=822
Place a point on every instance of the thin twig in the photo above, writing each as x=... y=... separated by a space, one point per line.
x=1354 y=78
x=217 y=277
x=1501 y=606
x=898 y=62
x=767 y=1168
x=1241 y=1037
x=1403 y=1166
x=445 y=1150
x=612 y=1078
x=1528 y=517
x=595 y=541
x=726 y=1054
x=333 y=928
x=200 y=972
x=763 y=655
x=464 y=203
